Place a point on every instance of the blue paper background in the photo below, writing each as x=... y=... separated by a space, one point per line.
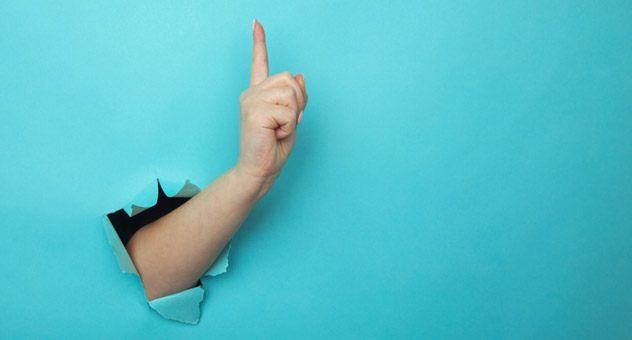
x=463 y=169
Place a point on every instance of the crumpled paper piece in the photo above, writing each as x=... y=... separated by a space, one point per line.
x=182 y=306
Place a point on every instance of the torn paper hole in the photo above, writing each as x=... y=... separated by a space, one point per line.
x=151 y=204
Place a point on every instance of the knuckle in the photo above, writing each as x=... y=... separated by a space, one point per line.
x=289 y=92
x=242 y=96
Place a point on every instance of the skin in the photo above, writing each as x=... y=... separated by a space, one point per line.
x=172 y=253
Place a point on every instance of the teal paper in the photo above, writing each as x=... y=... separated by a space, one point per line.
x=463 y=170
x=149 y=196
x=122 y=256
x=183 y=306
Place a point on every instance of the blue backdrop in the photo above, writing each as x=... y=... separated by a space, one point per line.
x=463 y=168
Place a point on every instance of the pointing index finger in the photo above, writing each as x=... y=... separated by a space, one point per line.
x=259 y=71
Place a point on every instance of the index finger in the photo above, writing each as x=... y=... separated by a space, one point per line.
x=259 y=70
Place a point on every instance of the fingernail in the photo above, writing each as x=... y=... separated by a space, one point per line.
x=253 y=25
x=300 y=117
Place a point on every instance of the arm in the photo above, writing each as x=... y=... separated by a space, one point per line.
x=172 y=253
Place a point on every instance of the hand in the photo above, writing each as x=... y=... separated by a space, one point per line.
x=270 y=110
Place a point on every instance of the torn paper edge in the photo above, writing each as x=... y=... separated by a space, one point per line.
x=183 y=306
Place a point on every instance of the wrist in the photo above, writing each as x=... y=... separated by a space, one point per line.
x=253 y=185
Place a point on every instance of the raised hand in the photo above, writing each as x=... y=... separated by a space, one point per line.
x=173 y=252
x=270 y=110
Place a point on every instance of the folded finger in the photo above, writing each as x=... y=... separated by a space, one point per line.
x=284 y=96
x=285 y=79
x=278 y=118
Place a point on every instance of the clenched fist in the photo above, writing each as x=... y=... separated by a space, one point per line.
x=270 y=110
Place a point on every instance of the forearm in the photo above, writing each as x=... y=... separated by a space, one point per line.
x=172 y=253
